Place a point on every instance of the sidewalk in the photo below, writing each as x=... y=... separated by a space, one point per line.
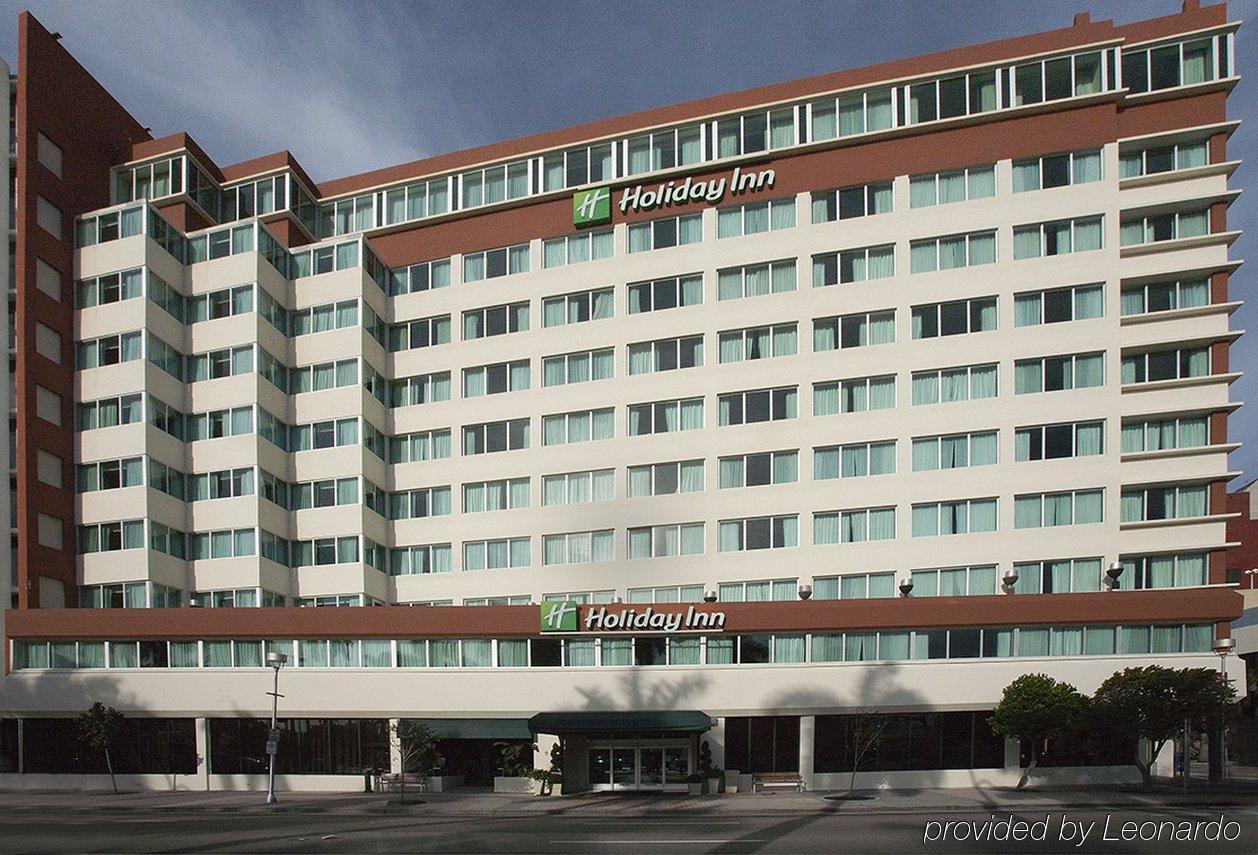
x=479 y=802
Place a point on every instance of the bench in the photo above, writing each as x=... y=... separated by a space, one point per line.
x=778 y=781
x=391 y=783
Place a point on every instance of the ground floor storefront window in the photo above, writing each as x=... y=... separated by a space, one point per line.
x=759 y=744
x=165 y=746
x=307 y=746
x=908 y=741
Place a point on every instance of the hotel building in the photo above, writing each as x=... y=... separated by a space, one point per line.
x=864 y=393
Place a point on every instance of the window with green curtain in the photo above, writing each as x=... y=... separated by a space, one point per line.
x=1028 y=511
x=1026 y=242
x=578 y=652
x=788 y=648
x=377 y=653
x=1032 y=641
x=1086 y=575
x=617 y=651
x=412 y=653
x=825 y=528
x=513 y=652
x=860 y=646
x=882 y=524
x=720 y=650
x=1166 y=639
x=124 y=654
x=893 y=646
x=1198 y=637
x=925 y=583
x=1066 y=641
x=183 y=654
x=827 y=647
x=1089 y=507
x=925 y=520
x=1136 y=639
x=443 y=653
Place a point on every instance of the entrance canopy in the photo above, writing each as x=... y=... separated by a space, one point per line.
x=675 y=721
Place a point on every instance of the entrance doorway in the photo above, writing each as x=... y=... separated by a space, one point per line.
x=654 y=764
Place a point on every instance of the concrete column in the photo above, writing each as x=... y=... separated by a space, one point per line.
x=716 y=740
x=21 y=761
x=576 y=764
x=202 y=727
x=1013 y=756
x=395 y=750
x=807 y=745
x=541 y=756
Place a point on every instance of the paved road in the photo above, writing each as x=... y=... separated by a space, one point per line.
x=176 y=831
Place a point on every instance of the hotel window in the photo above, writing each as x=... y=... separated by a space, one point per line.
x=110 y=537
x=493 y=263
x=665 y=232
x=345 y=216
x=580 y=367
x=497 y=553
x=1057 y=170
x=857 y=395
x=964 y=383
x=230 y=598
x=952 y=251
x=582 y=597
x=424 y=199
x=665 y=416
x=576 y=166
x=1052 y=79
x=756 y=280
x=424 y=445
x=147 y=181
x=668 y=354
x=863 y=200
x=325 y=375
x=578 y=547
x=755 y=470
x=1166 y=433
x=765 y=590
x=579 y=426
x=328 y=550
x=104 y=228
x=853 y=265
x=496 y=379
x=956 y=317
x=495 y=184
x=854 y=460
x=853 y=526
x=502 y=495
x=1185 y=570
x=323 y=259
x=954 y=451
x=110 y=474
x=227 y=362
x=758 y=405
x=167 y=419
x=950 y=97
x=1053 y=442
x=955 y=581
x=745 y=535
x=665 y=541
x=953 y=185
x=577 y=307
x=315 y=319
x=962 y=516
x=1159 y=227
x=858 y=586
x=419 y=277
x=230 y=543
x=1072 y=507
x=1061 y=576
x=1185 y=501
x=326 y=493
x=1168 y=158
x=231 y=483
x=660 y=294
x=662 y=150
x=1057 y=238
x=858 y=113
x=754 y=132
x=237 y=421
x=858 y=330
x=416 y=560
x=419 y=503
x=575 y=488
x=492 y=437
x=1178 y=64
x=169 y=480
x=110 y=412
x=264 y=196
x=666 y=479
x=110 y=350
x=1058 y=373
x=1165 y=296
x=279 y=492
x=491 y=321
x=1057 y=305
x=110 y=288
x=420 y=389
x=163 y=296
x=755 y=218
x=667 y=594
x=160 y=354
x=1166 y=365
x=423 y=332
x=574 y=249
x=758 y=343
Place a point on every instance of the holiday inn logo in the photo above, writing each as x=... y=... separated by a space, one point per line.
x=592 y=207
x=559 y=616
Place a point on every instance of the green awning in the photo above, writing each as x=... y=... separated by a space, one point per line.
x=676 y=721
x=478 y=728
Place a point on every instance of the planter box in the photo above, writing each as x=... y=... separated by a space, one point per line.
x=695 y=789
x=714 y=785
x=443 y=783
x=517 y=786
x=556 y=788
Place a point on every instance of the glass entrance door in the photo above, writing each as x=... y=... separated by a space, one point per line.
x=624 y=768
x=660 y=764
x=650 y=768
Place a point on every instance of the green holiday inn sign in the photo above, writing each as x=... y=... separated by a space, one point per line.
x=563 y=616
x=593 y=206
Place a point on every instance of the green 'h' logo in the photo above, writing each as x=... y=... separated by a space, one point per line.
x=559 y=616
x=592 y=207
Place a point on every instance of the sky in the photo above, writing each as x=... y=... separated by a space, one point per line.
x=353 y=86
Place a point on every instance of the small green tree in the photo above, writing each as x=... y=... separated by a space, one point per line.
x=417 y=747
x=1039 y=709
x=516 y=758
x=100 y=728
x=556 y=763
x=864 y=733
x=1152 y=703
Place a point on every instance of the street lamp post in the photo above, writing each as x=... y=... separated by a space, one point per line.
x=1223 y=647
x=276 y=661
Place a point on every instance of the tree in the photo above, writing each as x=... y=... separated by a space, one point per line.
x=417 y=747
x=864 y=731
x=516 y=758
x=100 y=728
x=1038 y=708
x=1152 y=703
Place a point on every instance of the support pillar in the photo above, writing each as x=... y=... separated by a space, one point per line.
x=1013 y=757
x=541 y=755
x=21 y=738
x=395 y=750
x=807 y=747
x=202 y=730
x=716 y=741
